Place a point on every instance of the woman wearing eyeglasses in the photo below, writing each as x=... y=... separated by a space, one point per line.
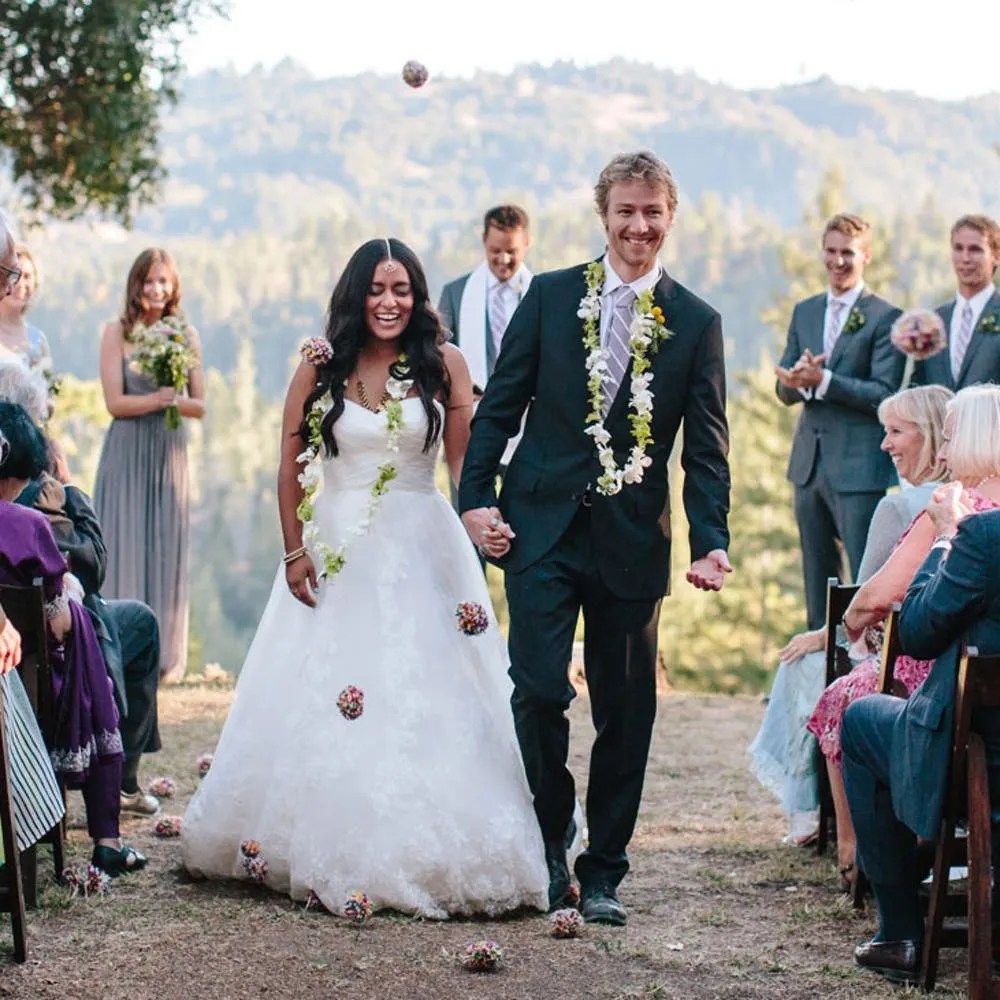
x=19 y=339
x=141 y=490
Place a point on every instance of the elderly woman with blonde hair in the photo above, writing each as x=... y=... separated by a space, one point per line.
x=784 y=754
x=971 y=453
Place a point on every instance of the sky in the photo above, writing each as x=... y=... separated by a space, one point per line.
x=882 y=44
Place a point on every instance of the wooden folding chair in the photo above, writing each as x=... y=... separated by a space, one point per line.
x=25 y=607
x=887 y=683
x=11 y=888
x=967 y=798
x=838 y=597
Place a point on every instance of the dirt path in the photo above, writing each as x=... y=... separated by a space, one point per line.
x=719 y=909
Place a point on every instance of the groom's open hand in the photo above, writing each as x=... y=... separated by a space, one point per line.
x=489 y=532
x=709 y=572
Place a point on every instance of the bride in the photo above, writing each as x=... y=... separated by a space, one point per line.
x=370 y=745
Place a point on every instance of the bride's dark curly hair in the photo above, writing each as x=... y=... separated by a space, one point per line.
x=347 y=332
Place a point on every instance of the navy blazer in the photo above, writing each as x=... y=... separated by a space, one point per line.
x=982 y=357
x=952 y=601
x=843 y=426
x=542 y=358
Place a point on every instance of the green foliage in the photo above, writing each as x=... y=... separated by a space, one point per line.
x=728 y=641
x=81 y=88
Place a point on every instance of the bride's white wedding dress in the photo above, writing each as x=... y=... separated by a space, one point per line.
x=422 y=802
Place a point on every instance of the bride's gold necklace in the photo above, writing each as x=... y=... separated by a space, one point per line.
x=365 y=401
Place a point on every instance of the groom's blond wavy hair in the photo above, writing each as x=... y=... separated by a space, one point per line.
x=641 y=166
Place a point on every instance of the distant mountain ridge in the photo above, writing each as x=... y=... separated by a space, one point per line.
x=371 y=145
x=275 y=177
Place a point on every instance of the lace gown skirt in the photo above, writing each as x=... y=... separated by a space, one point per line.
x=422 y=802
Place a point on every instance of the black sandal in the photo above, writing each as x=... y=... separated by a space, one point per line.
x=115 y=863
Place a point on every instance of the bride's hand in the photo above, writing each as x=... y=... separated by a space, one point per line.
x=301 y=578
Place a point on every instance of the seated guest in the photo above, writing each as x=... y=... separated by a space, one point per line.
x=35 y=798
x=128 y=630
x=784 y=754
x=896 y=752
x=971 y=451
x=86 y=745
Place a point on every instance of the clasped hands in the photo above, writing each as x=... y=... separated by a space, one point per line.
x=489 y=532
x=949 y=506
x=806 y=373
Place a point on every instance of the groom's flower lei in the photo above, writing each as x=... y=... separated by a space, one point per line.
x=647 y=332
x=333 y=559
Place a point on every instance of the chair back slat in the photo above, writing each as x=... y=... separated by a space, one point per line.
x=838 y=597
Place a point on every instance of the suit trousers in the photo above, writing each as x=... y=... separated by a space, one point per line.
x=545 y=601
x=138 y=634
x=887 y=848
x=824 y=515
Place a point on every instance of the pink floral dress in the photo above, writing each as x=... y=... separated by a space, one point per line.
x=824 y=723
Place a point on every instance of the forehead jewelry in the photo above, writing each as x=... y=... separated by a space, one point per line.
x=389 y=264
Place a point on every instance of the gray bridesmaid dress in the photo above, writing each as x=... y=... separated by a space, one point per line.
x=141 y=499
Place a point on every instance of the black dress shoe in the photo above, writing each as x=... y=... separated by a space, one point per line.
x=600 y=904
x=898 y=961
x=555 y=859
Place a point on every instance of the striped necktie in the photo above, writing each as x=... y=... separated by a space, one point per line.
x=961 y=344
x=498 y=313
x=617 y=345
x=832 y=331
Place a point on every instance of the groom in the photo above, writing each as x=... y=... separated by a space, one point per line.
x=585 y=506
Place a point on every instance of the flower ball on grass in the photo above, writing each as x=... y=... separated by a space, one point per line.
x=162 y=788
x=204 y=764
x=566 y=923
x=482 y=956
x=358 y=908
x=168 y=826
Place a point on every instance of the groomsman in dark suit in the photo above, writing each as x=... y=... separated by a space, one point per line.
x=972 y=320
x=583 y=519
x=838 y=365
x=896 y=752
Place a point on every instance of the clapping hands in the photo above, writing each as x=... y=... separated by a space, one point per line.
x=806 y=373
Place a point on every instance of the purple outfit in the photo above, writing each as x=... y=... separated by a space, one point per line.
x=86 y=746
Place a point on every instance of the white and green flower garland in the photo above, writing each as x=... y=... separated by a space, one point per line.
x=333 y=560
x=647 y=332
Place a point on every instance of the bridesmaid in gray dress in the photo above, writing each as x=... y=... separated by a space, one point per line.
x=141 y=493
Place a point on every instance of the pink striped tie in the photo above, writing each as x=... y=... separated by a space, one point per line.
x=617 y=346
x=961 y=344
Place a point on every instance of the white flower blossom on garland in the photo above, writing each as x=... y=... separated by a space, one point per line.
x=332 y=560
x=647 y=332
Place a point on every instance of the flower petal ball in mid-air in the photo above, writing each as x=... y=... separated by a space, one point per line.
x=415 y=74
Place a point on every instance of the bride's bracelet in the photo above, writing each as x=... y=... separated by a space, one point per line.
x=289 y=557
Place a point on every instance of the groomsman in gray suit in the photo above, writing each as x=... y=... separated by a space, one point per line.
x=972 y=320
x=477 y=307
x=838 y=365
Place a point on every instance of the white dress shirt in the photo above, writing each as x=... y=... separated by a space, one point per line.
x=848 y=301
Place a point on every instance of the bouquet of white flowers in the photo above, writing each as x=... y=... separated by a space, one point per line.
x=164 y=354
